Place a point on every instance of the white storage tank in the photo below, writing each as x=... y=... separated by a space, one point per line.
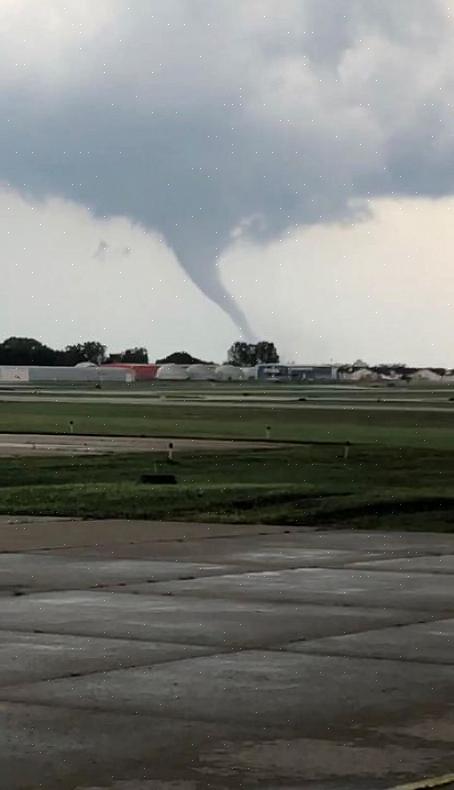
x=77 y=373
x=201 y=372
x=426 y=375
x=249 y=373
x=229 y=373
x=172 y=373
x=14 y=375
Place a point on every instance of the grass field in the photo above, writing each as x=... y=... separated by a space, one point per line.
x=376 y=487
x=385 y=427
x=400 y=472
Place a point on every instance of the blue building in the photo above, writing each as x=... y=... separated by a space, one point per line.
x=296 y=373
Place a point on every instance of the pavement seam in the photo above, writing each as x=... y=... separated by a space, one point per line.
x=168 y=716
x=277 y=531
x=90 y=673
x=112 y=587
x=122 y=586
x=239 y=595
x=234 y=650
x=426 y=784
x=272 y=647
x=279 y=646
x=42 y=632
x=405 y=571
x=321 y=654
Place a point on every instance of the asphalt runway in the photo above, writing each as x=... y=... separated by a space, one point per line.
x=14 y=444
x=143 y=656
x=305 y=400
x=337 y=405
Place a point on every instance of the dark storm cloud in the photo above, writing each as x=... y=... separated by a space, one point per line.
x=202 y=121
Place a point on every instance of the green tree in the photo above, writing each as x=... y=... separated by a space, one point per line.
x=134 y=355
x=26 y=351
x=266 y=352
x=90 y=351
x=181 y=358
x=243 y=355
x=250 y=354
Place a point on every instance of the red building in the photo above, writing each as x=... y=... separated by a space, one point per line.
x=142 y=372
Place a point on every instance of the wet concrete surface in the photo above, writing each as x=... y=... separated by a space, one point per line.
x=346 y=586
x=222 y=623
x=443 y=563
x=26 y=657
x=423 y=643
x=140 y=656
x=46 y=572
x=251 y=687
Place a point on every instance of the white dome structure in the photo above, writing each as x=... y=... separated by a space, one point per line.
x=86 y=365
x=249 y=373
x=426 y=375
x=172 y=373
x=228 y=373
x=364 y=375
x=201 y=372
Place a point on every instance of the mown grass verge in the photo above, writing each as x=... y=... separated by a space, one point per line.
x=386 y=427
x=314 y=486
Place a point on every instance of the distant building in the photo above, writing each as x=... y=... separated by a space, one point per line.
x=61 y=375
x=352 y=373
x=391 y=374
x=426 y=374
x=10 y=374
x=201 y=372
x=296 y=373
x=142 y=371
x=249 y=374
x=228 y=373
x=172 y=373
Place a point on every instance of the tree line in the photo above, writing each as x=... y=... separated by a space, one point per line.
x=29 y=351
x=248 y=355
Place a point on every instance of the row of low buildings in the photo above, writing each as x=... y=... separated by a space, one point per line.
x=38 y=374
x=353 y=373
x=394 y=374
x=308 y=373
x=128 y=373
x=117 y=373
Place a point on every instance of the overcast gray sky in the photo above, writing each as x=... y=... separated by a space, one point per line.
x=176 y=173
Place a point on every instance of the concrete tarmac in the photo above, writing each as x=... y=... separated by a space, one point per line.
x=142 y=656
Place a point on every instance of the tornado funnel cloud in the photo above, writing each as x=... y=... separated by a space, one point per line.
x=205 y=275
x=230 y=306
